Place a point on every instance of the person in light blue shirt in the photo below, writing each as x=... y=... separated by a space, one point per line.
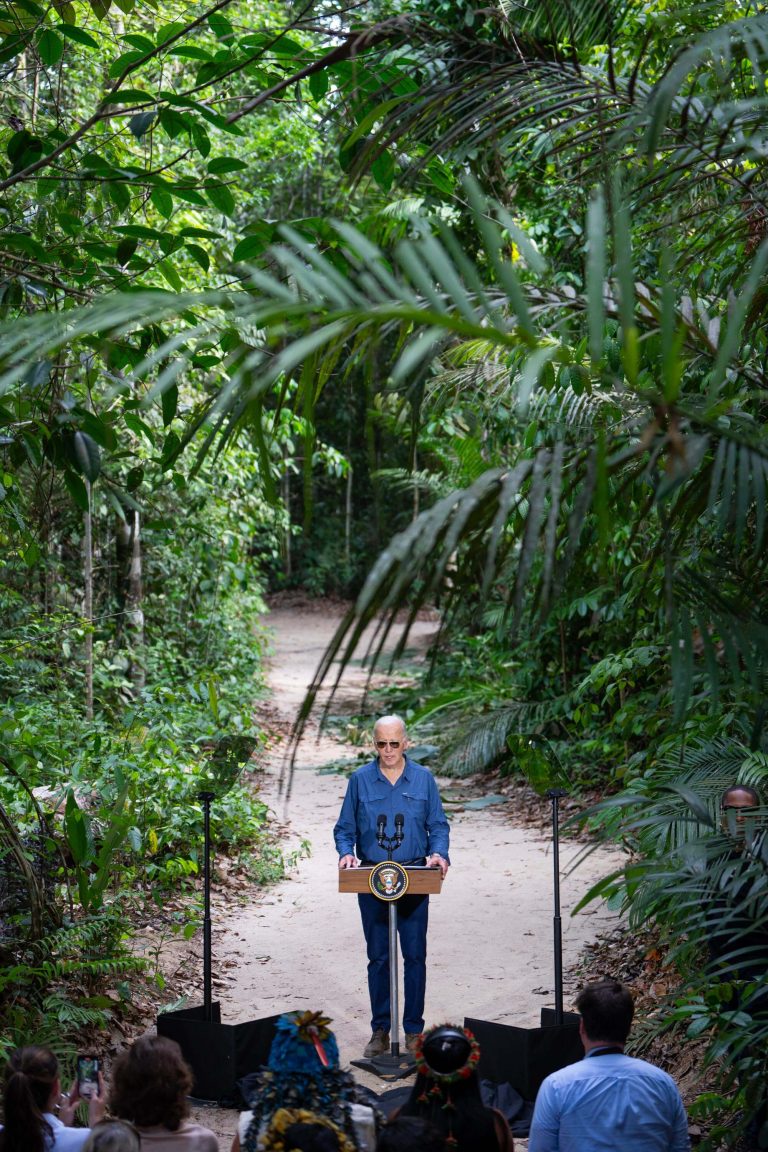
x=608 y=1102
x=391 y=786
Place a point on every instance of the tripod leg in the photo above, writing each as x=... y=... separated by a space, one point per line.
x=206 y=798
x=557 y=922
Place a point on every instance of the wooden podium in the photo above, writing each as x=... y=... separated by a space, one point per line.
x=420 y=881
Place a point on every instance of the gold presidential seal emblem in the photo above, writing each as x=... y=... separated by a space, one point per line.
x=388 y=880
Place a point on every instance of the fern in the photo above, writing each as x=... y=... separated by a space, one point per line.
x=59 y=1007
x=88 y=948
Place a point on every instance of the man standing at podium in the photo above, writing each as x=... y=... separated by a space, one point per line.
x=389 y=789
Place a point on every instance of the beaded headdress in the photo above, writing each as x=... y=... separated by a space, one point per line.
x=274 y=1139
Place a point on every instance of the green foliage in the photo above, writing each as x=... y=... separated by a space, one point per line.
x=699 y=878
x=110 y=805
x=130 y=795
x=49 y=985
x=533 y=384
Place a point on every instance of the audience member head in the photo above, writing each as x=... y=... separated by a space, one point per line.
x=738 y=803
x=30 y=1089
x=410 y=1134
x=446 y=1092
x=606 y=1010
x=303 y=1043
x=150 y=1084
x=310 y=1138
x=739 y=796
x=113 y=1136
x=298 y=1130
x=302 y=1075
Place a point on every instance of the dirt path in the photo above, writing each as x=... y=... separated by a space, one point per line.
x=490 y=936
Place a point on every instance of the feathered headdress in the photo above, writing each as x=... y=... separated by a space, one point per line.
x=302 y=1073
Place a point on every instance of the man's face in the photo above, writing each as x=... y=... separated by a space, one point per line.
x=737 y=808
x=390 y=743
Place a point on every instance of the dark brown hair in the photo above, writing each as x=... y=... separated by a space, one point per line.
x=150 y=1083
x=30 y=1075
x=410 y=1134
x=606 y=1009
x=457 y=1114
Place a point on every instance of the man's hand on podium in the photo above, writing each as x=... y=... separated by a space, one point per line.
x=437 y=861
x=349 y=862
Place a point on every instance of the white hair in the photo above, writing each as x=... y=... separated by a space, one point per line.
x=393 y=719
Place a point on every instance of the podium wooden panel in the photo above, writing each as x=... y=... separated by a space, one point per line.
x=421 y=881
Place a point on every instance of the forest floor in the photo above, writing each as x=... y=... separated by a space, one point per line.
x=298 y=944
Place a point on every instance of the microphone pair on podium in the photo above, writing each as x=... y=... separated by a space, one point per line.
x=381 y=826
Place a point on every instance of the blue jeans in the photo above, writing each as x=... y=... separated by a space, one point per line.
x=412 y=916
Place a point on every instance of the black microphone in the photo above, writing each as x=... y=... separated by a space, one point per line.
x=399 y=822
x=381 y=826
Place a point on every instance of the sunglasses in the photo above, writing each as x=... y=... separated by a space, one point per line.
x=388 y=743
x=739 y=808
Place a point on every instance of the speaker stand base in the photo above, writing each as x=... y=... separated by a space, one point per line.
x=388 y=1066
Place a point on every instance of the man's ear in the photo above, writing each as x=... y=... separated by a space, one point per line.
x=582 y=1031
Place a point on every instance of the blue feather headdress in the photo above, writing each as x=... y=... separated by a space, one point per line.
x=304 y=1043
x=302 y=1072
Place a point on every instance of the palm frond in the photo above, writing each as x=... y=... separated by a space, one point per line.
x=677 y=799
x=404 y=481
x=486 y=741
x=329 y=308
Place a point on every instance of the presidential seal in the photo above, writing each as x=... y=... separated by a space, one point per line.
x=388 y=880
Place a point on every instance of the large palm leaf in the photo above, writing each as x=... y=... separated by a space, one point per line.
x=552 y=81
x=428 y=295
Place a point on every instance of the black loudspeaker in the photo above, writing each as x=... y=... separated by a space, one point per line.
x=523 y=1057
x=219 y=1054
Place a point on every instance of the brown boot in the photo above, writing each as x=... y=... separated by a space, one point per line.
x=377 y=1045
x=411 y=1040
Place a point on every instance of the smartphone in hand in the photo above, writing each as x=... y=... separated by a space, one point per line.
x=88 y=1076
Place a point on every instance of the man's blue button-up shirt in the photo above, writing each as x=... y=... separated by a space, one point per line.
x=609 y=1102
x=370 y=795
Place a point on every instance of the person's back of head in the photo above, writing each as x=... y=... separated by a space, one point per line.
x=150 y=1083
x=606 y=1009
x=410 y=1134
x=113 y=1136
x=301 y=1130
x=308 y=1137
x=446 y=1092
x=30 y=1077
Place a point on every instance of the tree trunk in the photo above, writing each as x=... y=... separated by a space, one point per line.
x=134 y=611
x=348 y=521
x=10 y=835
x=414 y=469
x=130 y=595
x=88 y=603
x=287 y=558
